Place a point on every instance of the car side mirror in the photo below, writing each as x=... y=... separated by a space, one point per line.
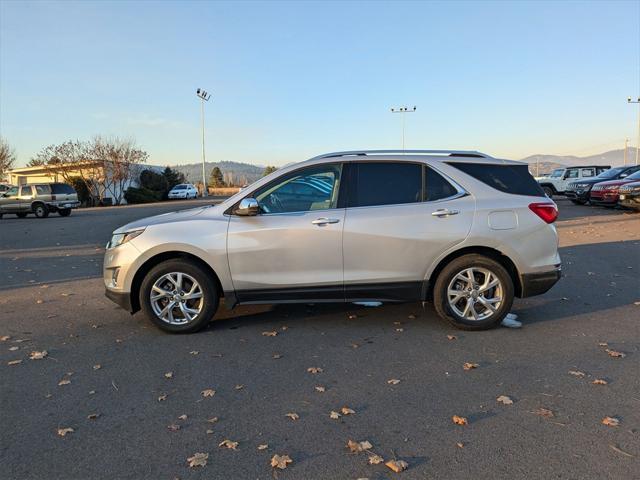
x=248 y=207
x=622 y=175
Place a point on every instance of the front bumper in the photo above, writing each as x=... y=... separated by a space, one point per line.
x=579 y=195
x=604 y=200
x=630 y=200
x=121 y=298
x=539 y=283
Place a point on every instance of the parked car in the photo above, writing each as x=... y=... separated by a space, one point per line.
x=557 y=183
x=580 y=192
x=629 y=196
x=39 y=199
x=463 y=229
x=184 y=190
x=606 y=193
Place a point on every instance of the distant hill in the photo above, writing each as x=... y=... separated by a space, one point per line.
x=240 y=173
x=612 y=157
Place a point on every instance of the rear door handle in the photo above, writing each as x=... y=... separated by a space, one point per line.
x=324 y=221
x=443 y=212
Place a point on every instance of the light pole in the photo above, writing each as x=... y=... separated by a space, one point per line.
x=402 y=111
x=638 y=139
x=204 y=97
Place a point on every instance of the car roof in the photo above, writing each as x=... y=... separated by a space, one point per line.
x=467 y=156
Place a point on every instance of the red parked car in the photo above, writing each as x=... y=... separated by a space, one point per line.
x=606 y=193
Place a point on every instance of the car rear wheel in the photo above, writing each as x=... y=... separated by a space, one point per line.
x=473 y=292
x=40 y=210
x=179 y=296
x=65 y=212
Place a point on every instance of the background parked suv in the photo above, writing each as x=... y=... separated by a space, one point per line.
x=580 y=192
x=39 y=199
x=557 y=183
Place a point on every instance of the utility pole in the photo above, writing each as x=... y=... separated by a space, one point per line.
x=626 y=143
x=402 y=111
x=638 y=139
x=204 y=97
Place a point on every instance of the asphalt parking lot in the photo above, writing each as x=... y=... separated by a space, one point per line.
x=134 y=395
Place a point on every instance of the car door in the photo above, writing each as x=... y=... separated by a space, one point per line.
x=10 y=200
x=26 y=198
x=291 y=250
x=400 y=217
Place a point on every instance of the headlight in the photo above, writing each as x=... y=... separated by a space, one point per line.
x=118 y=239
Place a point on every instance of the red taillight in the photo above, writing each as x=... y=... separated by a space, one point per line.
x=546 y=211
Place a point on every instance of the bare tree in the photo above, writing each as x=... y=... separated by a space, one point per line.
x=7 y=157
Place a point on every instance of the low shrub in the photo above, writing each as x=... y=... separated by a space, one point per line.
x=142 y=195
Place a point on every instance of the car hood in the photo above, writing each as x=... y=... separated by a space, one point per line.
x=171 y=217
x=614 y=182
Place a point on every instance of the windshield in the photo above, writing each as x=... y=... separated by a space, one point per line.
x=612 y=172
x=634 y=176
x=557 y=173
x=180 y=187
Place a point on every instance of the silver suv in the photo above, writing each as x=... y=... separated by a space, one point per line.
x=462 y=229
x=39 y=199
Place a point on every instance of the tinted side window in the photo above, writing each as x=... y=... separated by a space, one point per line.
x=62 y=188
x=514 y=179
x=43 y=190
x=25 y=191
x=588 y=172
x=12 y=192
x=573 y=173
x=437 y=187
x=380 y=183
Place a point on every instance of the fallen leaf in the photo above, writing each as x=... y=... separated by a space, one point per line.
x=212 y=419
x=4 y=338
x=272 y=333
x=614 y=354
x=357 y=447
x=469 y=366
x=198 y=460
x=460 y=445
x=314 y=370
x=97 y=367
x=292 y=416
x=400 y=330
x=38 y=355
x=504 y=400
x=63 y=431
x=276 y=356
x=280 y=461
x=611 y=421
x=334 y=415
x=209 y=432
x=13 y=349
x=194 y=352
x=347 y=411
x=239 y=387
x=320 y=389
x=93 y=416
x=264 y=446
x=64 y=381
x=168 y=375
x=599 y=381
x=183 y=417
x=603 y=344
x=459 y=420
x=375 y=459
x=14 y=362
x=411 y=317
x=452 y=337
x=393 y=381
x=352 y=316
x=173 y=427
x=228 y=444
x=576 y=373
x=209 y=392
x=162 y=398
x=543 y=412
x=397 y=465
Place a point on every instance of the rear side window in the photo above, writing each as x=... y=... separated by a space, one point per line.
x=25 y=191
x=43 y=190
x=61 y=189
x=382 y=183
x=514 y=179
x=437 y=187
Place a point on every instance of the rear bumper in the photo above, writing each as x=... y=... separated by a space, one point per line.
x=539 y=283
x=123 y=299
x=62 y=205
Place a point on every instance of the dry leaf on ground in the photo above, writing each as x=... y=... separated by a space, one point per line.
x=470 y=366
x=314 y=370
x=614 y=354
x=239 y=387
x=198 y=460
x=375 y=459
x=14 y=362
x=452 y=337
x=63 y=431
x=168 y=375
x=4 y=338
x=576 y=373
x=393 y=381
x=38 y=355
x=320 y=389
x=600 y=381
x=292 y=416
x=397 y=465
x=212 y=420
x=611 y=421
x=347 y=411
x=276 y=356
x=264 y=446
x=505 y=400
x=64 y=381
x=460 y=445
x=357 y=447
x=334 y=415
x=543 y=412
x=162 y=398
x=173 y=427
x=228 y=444
x=459 y=420
x=280 y=461
x=209 y=392
x=97 y=367
x=93 y=416
x=194 y=352
x=183 y=417
x=272 y=333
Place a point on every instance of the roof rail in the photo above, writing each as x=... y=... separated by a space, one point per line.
x=449 y=153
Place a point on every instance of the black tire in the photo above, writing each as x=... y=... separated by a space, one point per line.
x=40 y=210
x=456 y=266
x=579 y=202
x=21 y=215
x=65 y=212
x=548 y=191
x=210 y=297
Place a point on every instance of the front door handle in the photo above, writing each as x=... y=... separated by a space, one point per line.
x=443 y=212
x=324 y=221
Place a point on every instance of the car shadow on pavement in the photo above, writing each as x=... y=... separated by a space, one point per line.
x=568 y=211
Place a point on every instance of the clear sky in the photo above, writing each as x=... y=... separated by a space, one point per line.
x=290 y=80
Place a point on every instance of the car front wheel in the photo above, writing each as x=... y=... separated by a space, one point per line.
x=473 y=292
x=548 y=191
x=179 y=296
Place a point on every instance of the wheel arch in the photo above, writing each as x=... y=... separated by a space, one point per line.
x=489 y=252
x=146 y=267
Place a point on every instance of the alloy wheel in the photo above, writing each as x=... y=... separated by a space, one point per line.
x=176 y=298
x=475 y=294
